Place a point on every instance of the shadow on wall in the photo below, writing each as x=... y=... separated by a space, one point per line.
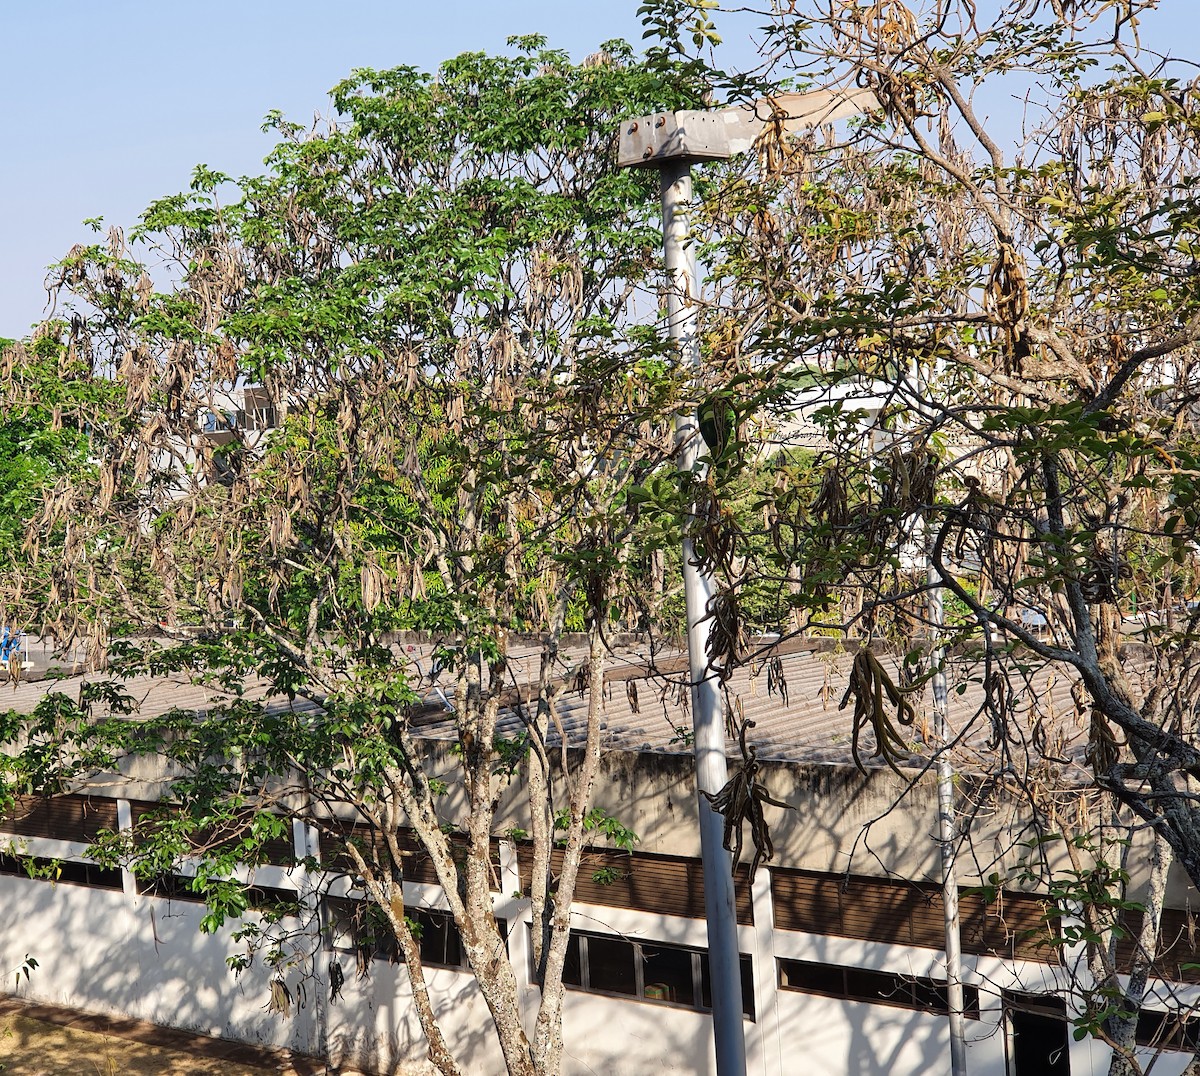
x=604 y=1035
x=98 y=951
x=375 y=1025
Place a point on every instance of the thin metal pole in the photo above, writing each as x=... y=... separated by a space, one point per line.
x=707 y=718
x=946 y=835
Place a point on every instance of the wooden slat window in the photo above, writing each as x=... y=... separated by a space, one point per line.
x=908 y=913
x=1178 y=945
x=661 y=885
x=279 y=851
x=61 y=818
x=1015 y=925
x=417 y=863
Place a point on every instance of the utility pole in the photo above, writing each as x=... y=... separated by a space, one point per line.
x=672 y=142
x=923 y=536
x=708 y=719
x=947 y=838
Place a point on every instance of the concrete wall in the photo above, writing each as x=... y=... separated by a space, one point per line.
x=143 y=956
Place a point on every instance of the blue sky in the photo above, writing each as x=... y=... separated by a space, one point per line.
x=109 y=104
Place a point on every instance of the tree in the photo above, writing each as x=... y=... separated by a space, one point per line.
x=441 y=294
x=37 y=445
x=1026 y=320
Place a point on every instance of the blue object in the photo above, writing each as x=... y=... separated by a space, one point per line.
x=10 y=642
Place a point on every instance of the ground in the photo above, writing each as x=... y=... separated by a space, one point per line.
x=37 y=1040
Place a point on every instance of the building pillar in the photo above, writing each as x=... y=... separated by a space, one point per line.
x=766 y=979
x=512 y=906
x=125 y=824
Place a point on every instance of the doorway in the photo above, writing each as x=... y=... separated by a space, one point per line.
x=1036 y=1034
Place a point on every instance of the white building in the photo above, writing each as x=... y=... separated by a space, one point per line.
x=841 y=934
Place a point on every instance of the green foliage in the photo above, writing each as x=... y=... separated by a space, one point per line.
x=607 y=875
x=27 y=965
x=38 y=442
x=995 y=355
x=432 y=298
x=670 y=20
x=601 y=822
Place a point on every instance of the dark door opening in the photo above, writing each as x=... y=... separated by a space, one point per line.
x=1038 y=1042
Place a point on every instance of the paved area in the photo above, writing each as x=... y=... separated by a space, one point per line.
x=45 y=1040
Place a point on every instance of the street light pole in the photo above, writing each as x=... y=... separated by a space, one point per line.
x=672 y=142
x=947 y=839
x=707 y=718
x=946 y=831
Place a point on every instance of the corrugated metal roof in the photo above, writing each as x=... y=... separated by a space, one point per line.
x=645 y=711
x=808 y=725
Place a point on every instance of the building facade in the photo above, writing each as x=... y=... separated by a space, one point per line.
x=841 y=934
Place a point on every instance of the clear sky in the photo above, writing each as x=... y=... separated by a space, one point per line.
x=108 y=104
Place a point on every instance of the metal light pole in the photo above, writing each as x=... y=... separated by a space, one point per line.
x=946 y=835
x=671 y=142
x=708 y=721
x=935 y=606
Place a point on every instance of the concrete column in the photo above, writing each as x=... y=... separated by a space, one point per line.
x=125 y=824
x=766 y=979
x=512 y=906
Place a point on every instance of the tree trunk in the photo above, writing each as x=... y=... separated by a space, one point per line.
x=548 y=1040
x=388 y=896
x=1122 y=1031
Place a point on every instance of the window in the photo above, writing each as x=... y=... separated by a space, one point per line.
x=1168 y=1031
x=257 y=418
x=258 y=410
x=170 y=887
x=260 y=898
x=359 y=925
x=667 y=975
x=256 y=413
x=747 y=968
x=356 y=925
x=1036 y=1035
x=874 y=987
x=438 y=937
x=673 y=974
x=66 y=872
x=611 y=965
x=214 y=423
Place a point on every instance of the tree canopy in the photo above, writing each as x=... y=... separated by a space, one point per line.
x=992 y=319
x=447 y=298
x=444 y=302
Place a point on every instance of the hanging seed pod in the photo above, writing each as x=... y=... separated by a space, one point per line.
x=880 y=706
x=373 y=584
x=279 y=529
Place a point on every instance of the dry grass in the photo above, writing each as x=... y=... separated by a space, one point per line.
x=33 y=1048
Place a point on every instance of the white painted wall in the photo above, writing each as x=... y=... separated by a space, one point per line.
x=101 y=951
x=144 y=957
x=375 y=1024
